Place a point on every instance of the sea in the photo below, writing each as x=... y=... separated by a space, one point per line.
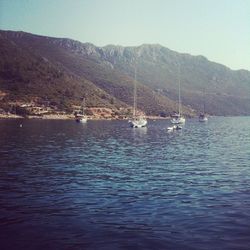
x=105 y=185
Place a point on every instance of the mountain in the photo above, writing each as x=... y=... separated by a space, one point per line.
x=46 y=69
x=227 y=92
x=63 y=71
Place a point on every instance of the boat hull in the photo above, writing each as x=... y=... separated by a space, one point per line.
x=174 y=127
x=203 y=118
x=138 y=123
x=81 y=119
x=179 y=120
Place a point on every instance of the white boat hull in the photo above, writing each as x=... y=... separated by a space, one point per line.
x=179 y=120
x=138 y=123
x=81 y=119
x=203 y=118
x=171 y=128
x=174 y=127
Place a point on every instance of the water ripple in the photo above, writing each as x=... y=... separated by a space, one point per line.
x=103 y=185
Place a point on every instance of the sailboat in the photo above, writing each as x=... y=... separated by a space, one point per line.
x=81 y=117
x=137 y=121
x=178 y=118
x=202 y=116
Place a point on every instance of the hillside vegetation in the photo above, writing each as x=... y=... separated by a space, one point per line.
x=63 y=71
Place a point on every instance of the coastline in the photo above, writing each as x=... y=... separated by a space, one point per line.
x=10 y=116
x=72 y=117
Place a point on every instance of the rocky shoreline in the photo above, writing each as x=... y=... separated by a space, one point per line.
x=69 y=117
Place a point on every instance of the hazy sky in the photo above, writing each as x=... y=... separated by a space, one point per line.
x=217 y=29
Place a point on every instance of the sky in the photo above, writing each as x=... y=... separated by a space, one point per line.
x=216 y=29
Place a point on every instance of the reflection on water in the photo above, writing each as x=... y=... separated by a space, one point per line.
x=104 y=185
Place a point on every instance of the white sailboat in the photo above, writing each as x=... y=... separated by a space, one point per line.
x=81 y=117
x=202 y=116
x=178 y=118
x=137 y=121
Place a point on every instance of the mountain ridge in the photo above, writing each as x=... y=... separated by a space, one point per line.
x=111 y=69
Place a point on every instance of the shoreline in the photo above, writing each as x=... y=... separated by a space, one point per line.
x=72 y=117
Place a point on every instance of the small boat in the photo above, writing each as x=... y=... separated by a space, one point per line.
x=137 y=121
x=81 y=117
x=175 y=127
x=203 y=118
x=178 y=118
x=172 y=128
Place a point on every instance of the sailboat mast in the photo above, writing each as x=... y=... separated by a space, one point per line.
x=135 y=94
x=83 y=105
x=204 y=101
x=179 y=83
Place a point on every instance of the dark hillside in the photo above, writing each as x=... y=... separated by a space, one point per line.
x=66 y=69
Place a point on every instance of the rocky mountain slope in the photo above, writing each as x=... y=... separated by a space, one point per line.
x=63 y=71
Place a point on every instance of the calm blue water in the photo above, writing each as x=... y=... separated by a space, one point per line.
x=104 y=185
